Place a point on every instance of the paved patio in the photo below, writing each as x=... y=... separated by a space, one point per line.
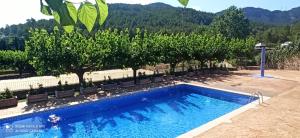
x=278 y=117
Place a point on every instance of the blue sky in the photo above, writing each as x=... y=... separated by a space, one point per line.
x=17 y=11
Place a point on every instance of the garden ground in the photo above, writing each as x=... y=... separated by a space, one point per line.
x=277 y=117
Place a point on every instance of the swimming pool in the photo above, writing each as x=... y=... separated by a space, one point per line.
x=155 y=113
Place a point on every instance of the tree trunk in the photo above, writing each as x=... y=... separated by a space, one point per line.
x=20 y=70
x=201 y=65
x=172 y=68
x=134 y=75
x=80 y=77
x=182 y=67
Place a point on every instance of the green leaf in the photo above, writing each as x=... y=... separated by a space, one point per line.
x=184 y=2
x=62 y=10
x=87 y=15
x=103 y=10
x=45 y=9
x=72 y=11
x=56 y=29
x=54 y=4
x=69 y=28
x=56 y=17
x=65 y=16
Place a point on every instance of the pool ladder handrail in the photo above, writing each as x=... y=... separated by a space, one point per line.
x=257 y=94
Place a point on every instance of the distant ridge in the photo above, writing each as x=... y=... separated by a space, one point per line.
x=276 y=17
x=156 y=17
x=164 y=14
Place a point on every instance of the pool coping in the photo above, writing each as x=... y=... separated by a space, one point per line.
x=222 y=119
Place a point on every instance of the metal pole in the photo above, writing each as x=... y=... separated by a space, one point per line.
x=263 y=60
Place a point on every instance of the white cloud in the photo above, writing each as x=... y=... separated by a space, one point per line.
x=143 y=2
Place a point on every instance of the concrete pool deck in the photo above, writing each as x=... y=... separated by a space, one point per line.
x=278 y=117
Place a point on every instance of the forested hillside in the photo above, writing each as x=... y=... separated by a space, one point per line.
x=157 y=17
x=272 y=17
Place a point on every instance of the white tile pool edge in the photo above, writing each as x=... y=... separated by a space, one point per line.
x=223 y=119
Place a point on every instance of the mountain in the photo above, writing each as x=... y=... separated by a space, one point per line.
x=156 y=17
x=272 y=17
x=165 y=16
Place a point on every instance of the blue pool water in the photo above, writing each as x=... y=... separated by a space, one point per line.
x=157 y=113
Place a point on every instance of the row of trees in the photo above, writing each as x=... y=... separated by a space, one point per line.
x=77 y=52
x=13 y=59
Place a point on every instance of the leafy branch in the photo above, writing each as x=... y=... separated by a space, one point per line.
x=67 y=15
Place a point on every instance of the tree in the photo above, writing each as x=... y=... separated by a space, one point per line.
x=208 y=48
x=215 y=49
x=140 y=52
x=241 y=51
x=173 y=49
x=231 y=23
x=198 y=45
x=57 y=53
x=118 y=43
x=13 y=59
x=20 y=61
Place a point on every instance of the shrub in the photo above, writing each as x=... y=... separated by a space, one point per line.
x=7 y=94
x=40 y=89
x=62 y=87
x=32 y=91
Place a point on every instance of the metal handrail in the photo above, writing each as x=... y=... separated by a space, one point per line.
x=258 y=95
x=261 y=95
